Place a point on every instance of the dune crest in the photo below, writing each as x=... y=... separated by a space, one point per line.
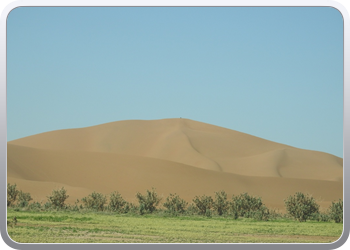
x=177 y=155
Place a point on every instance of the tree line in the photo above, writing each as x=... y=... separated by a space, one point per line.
x=300 y=206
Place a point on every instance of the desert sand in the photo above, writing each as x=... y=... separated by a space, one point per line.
x=174 y=156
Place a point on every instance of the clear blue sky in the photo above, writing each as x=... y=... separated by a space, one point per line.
x=273 y=72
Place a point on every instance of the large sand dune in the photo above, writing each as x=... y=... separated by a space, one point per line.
x=173 y=155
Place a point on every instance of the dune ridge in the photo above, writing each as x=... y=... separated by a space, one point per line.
x=173 y=155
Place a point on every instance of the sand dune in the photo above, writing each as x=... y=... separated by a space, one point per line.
x=173 y=155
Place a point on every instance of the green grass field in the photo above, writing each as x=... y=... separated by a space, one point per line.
x=93 y=227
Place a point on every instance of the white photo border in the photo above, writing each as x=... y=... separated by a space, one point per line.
x=173 y=3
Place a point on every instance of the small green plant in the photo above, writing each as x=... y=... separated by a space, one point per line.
x=47 y=205
x=175 y=204
x=204 y=204
x=148 y=203
x=325 y=217
x=274 y=215
x=116 y=202
x=12 y=194
x=74 y=207
x=221 y=204
x=95 y=201
x=58 y=197
x=191 y=209
x=301 y=206
x=131 y=208
x=35 y=206
x=336 y=211
x=23 y=199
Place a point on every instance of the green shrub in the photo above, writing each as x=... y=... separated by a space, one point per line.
x=208 y=213
x=336 y=211
x=175 y=204
x=116 y=203
x=95 y=201
x=131 y=208
x=12 y=194
x=36 y=206
x=301 y=206
x=23 y=199
x=245 y=205
x=325 y=217
x=58 y=197
x=74 y=207
x=262 y=214
x=191 y=209
x=233 y=212
x=221 y=204
x=48 y=205
x=148 y=202
x=204 y=204
x=274 y=215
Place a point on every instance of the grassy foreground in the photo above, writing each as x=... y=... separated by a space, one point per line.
x=94 y=227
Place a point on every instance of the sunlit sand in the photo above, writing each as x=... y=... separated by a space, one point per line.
x=173 y=155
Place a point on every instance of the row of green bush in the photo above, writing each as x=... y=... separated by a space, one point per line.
x=300 y=206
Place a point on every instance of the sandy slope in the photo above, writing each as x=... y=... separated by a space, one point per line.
x=173 y=155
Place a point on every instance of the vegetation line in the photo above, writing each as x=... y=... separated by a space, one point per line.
x=300 y=207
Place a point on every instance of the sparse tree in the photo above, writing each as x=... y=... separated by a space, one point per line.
x=221 y=203
x=116 y=202
x=301 y=206
x=204 y=204
x=148 y=203
x=95 y=201
x=23 y=199
x=58 y=198
x=245 y=205
x=175 y=204
x=336 y=211
x=12 y=194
